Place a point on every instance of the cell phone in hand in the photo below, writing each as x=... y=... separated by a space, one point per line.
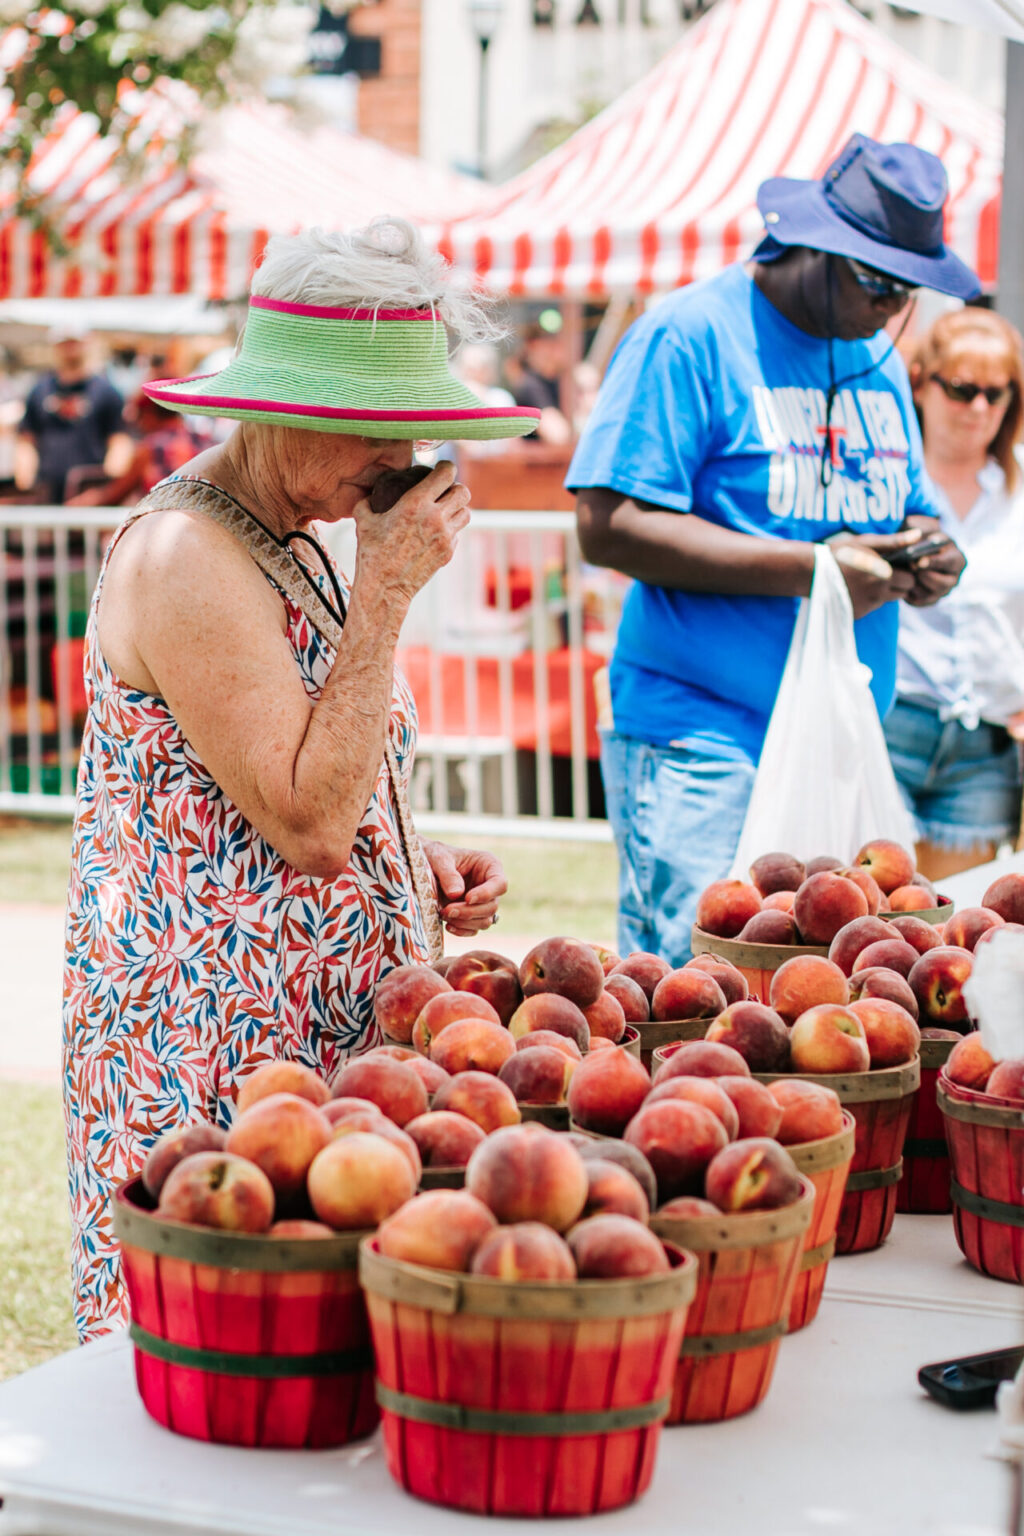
x=971 y=1381
x=910 y=554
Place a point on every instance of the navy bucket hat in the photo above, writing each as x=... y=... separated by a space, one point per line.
x=881 y=204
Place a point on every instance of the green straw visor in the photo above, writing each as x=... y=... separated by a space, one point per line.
x=369 y=373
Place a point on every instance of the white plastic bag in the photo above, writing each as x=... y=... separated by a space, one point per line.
x=824 y=784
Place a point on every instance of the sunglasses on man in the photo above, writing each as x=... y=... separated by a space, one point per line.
x=879 y=284
x=966 y=394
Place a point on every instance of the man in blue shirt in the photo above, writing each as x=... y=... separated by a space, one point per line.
x=742 y=420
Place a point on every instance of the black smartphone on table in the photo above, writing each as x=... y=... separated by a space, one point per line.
x=971 y=1381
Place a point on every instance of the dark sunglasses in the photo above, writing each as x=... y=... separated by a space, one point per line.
x=965 y=394
x=879 y=284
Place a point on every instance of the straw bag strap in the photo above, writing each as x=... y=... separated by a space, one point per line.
x=493 y=1421
x=281 y=566
x=989 y=1210
x=225 y=1362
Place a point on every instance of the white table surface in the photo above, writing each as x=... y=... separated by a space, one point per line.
x=845 y=1444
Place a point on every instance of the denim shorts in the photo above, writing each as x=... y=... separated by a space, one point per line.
x=677 y=817
x=963 y=787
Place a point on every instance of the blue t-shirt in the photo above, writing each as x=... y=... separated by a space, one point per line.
x=714 y=404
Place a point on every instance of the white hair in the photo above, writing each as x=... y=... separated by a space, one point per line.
x=387 y=265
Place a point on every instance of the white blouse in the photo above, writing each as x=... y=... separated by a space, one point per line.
x=964 y=656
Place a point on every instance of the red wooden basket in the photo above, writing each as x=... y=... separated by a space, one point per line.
x=924 y=1187
x=986 y=1151
x=525 y=1398
x=826 y=1163
x=246 y=1340
x=880 y=1103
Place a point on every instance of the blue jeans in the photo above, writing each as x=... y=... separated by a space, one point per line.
x=677 y=817
x=963 y=787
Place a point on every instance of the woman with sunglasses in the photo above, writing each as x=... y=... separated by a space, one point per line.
x=959 y=710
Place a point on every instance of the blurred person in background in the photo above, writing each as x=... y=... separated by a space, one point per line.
x=959 y=710
x=162 y=441
x=477 y=366
x=540 y=364
x=73 y=428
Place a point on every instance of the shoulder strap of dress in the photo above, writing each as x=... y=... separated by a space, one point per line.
x=275 y=561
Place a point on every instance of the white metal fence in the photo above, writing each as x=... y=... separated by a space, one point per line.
x=504 y=651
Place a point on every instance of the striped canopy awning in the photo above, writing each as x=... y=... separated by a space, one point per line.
x=660 y=188
x=200 y=229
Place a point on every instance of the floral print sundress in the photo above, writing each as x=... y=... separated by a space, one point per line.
x=194 y=951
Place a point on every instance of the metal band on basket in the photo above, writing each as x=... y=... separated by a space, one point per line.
x=820 y=1255
x=989 y=1210
x=704 y=1345
x=491 y=1421
x=268 y=1367
x=874 y=1178
x=926 y=1146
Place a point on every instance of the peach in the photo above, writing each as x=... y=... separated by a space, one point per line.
x=824 y=904
x=731 y=980
x=888 y=864
x=172 y=1146
x=481 y=1098
x=613 y=1189
x=358 y=1180
x=937 y=982
x=442 y=1228
x=490 y=976
x=864 y=882
x=914 y=930
x=891 y=954
x=687 y=1207
x=606 y=1018
x=701 y=1058
x=968 y=1064
x=678 y=1138
x=528 y=1250
x=829 y=1039
x=726 y=906
x=548 y=1037
x=822 y=863
x=774 y=872
x=687 y=993
x=299 y=1227
x=758 y=1113
x=528 y=1173
x=990 y=933
x=770 y=927
x=855 y=936
x=447 y=1008
x=548 y=1010
x=1005 y=897
x=568 y=967
x=700 y=1090
x=444 y=1139
x=643 y=968
x=892 y=1035
x=280 y=1134
x=606 y=1091
x=391 y=1085
x=758 y=1033
x=752 y=1175
x=362 y=1111
x=609 y=1149
x=630 y=996
x=472 y=1045
x=281 y=1077
x=608 y=958
x=540 y=1076
x=613 y=1247
x=877 y=981
x=599 y=1043
x=778 y=901
x=1007 y=1080
x=808 y=1111
x=429 y=1073
x=390 y=1132
x=909 y=898
x=965 y=928
x=390 y=1053
x=804 y=982
x=218 y=1189
x=444 y=965
x=926 y=885
x=401 y=995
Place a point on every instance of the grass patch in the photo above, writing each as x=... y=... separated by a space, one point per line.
x=35 y=1229
x=34 y=860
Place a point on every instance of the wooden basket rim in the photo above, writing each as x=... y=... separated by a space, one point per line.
x=827 y=1151
x=747 y=956
x=449 y=1292
x=742 y=1229
x=858 y=1087
x=970 y=1111
x=655 y=1033
x=152 y=1233
x=935 y=1053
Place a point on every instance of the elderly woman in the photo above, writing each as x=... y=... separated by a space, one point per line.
x=244 y=866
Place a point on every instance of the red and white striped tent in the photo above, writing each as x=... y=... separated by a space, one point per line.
x=660 y=188
x=201 y=229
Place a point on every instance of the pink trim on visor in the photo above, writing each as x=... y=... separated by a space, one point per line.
x=322 y=312
x=336 y=413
